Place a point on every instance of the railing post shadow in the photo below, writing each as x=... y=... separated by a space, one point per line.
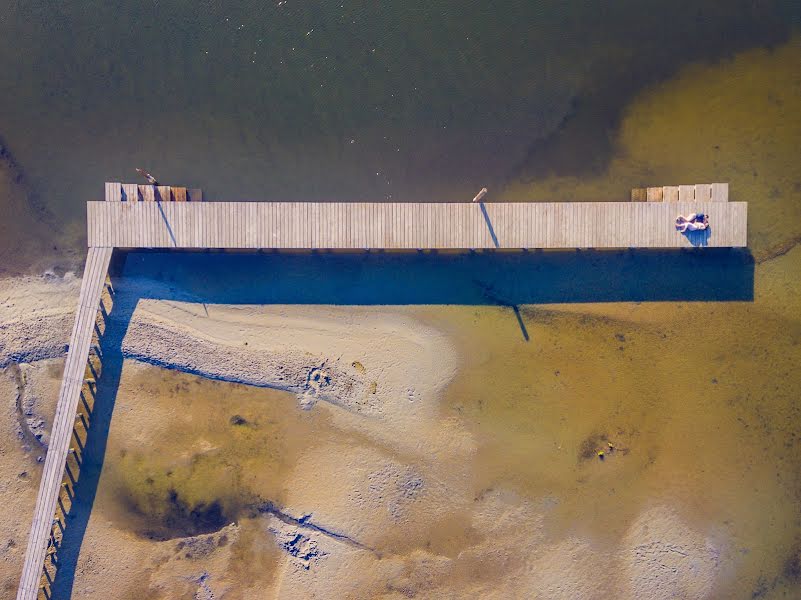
x=81 y=487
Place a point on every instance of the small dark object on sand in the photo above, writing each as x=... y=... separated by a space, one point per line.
x=238 y=420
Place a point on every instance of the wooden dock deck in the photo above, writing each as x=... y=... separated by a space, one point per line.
x=145 y=216
x=97 y=262
x=349 y=225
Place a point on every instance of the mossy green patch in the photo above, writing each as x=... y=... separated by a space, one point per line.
x=217 y=450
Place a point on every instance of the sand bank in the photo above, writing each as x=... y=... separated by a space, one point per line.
x=357 y=359
x=375 y=496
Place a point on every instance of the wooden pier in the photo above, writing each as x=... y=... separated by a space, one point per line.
x=315 y=225
x=41 y=537
x=419 y=225
x=146 y=216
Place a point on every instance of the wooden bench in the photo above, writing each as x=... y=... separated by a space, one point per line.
x=698 y=192
x=131 y=192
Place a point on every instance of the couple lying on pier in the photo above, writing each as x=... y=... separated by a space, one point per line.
x=692 y=222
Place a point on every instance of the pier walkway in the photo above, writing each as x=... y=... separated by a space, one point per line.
x=43 y=541
x=418 y=225
x=146 y=216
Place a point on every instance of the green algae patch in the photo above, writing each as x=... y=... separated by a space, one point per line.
x=199 y=454
x=735 y=121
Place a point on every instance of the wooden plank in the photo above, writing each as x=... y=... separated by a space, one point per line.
x=235 y=228
x=670 y=193
x=146 y=224
x=113 y=191
x=130 y=192
x=703 y=192
x=686 y=193
x=180 y=223
x=720 y=192
x=92 y=218
x=240 y=228
x=125 y=229
x=639 y=195
x=147 y=192
x=162 y=193
x=222 y=229
x=740 y=238
x=654 y=194
x=97 y=262
x=178 y=194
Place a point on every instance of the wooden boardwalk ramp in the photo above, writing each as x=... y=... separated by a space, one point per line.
x=94 y=278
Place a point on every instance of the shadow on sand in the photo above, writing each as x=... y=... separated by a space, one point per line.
x=499 y=278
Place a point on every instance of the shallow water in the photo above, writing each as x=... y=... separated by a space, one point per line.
x=700 y=410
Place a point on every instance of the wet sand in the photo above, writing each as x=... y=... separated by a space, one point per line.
x=489 y=491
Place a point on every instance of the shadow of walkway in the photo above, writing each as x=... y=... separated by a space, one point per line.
x=493 y=278
x=475 y=278
x=94 y=451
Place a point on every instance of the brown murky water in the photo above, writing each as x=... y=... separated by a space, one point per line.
x=701 y=415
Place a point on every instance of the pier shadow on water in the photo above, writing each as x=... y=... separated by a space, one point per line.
x=487 y=278
x=506 y=278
